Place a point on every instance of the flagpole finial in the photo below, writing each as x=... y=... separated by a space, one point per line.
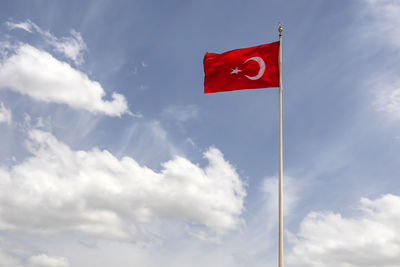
x=280 y=29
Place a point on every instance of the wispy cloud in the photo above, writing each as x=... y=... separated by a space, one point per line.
x=72 y=47
x=144 y=87
x=5 y=114
x=26 y=26
x=39 y=75
x=385 y=21
x=384 y=25
x=181 y=113
x=292 y=187
x=388 y=101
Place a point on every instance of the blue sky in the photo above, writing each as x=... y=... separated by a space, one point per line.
x=112 y=155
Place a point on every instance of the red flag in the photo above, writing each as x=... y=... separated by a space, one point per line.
x=245 y=68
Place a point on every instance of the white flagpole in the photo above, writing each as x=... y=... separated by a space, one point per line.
x=280 y=152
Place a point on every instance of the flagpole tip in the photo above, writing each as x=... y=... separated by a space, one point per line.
x=280 y=29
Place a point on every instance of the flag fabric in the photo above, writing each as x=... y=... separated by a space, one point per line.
x=245 y=68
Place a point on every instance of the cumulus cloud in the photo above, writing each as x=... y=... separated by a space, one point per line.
x=43 y=260
x=328 y=239
x=39 y=75
x=95 y=193
x=5 y=114
x=72 y=47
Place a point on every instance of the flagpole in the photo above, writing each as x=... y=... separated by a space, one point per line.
x=280 y=152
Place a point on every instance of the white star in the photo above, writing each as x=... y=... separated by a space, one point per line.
x=236 y=70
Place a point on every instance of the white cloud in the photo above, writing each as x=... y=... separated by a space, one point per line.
x=39 y=75
x=383 y=26
x=26 y=26
x=149 y=140
x=7 y=260
x=181 y=113
x=93 y=192
x=5 y=49
x=22 y=254
x=386 y=93
x=388 y=100
x=43 y=260
x=144 y=87
x=71 y=47
x=385 y=20
x=5 y=114
x=327 y=239
x=291 y=195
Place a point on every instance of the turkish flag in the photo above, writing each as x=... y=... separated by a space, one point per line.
x=245 y=68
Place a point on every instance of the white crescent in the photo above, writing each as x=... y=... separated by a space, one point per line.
x=261 y=71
